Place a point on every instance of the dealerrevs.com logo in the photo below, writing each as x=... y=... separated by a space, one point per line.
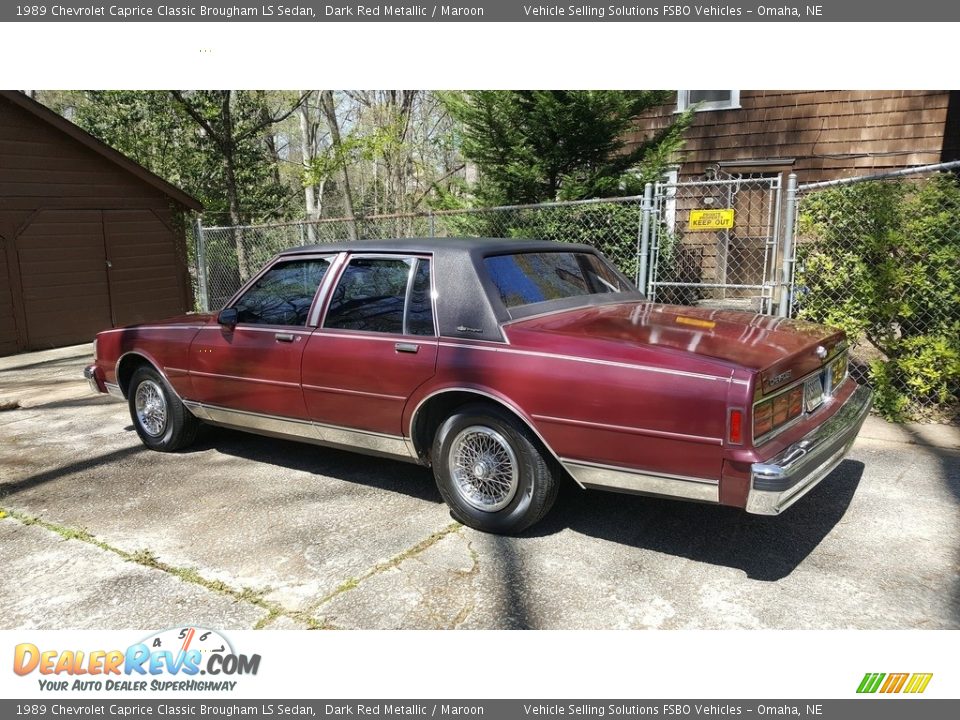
x=174 y=659
x=910 y=683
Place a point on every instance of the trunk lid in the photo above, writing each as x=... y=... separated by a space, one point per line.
x=780 y=350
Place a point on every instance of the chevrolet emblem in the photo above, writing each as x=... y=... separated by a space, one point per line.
x=781 y=378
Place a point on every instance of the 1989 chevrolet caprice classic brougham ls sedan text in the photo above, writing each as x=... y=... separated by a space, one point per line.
x=505 y=365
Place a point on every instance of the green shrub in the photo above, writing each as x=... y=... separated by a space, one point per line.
x=882 y=261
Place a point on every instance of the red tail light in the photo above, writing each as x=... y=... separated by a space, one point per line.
x=736 y=427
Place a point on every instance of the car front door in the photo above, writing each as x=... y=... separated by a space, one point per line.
x=377 y=344
x=254 y=366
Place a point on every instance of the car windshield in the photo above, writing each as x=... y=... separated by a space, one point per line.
x=533 y=277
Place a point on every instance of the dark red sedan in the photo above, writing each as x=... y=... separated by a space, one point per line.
x=505 y=365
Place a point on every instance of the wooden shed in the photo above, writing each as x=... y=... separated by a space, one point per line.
x=89 y=239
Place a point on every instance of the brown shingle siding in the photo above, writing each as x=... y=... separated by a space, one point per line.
x=830 y=133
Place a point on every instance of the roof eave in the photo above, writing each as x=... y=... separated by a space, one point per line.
x=101 y=148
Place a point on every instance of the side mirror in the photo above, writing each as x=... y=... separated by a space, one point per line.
x=228 y=317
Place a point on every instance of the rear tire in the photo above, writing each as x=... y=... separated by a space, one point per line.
x=160 y=419
x=491 y=471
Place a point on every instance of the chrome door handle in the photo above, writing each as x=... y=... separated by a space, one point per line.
x=284 y=337
x=407 y=347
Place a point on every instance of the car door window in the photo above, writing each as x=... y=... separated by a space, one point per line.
x=282 y=295
x=372 y=295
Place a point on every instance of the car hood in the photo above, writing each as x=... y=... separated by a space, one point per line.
x=743 y=339
x=190 y=319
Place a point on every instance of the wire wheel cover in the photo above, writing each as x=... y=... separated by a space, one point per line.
x=151 y=407
x=484 y=468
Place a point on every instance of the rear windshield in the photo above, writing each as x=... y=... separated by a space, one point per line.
x=533 y=277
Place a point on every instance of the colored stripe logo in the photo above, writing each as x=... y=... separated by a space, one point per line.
x=913 y=683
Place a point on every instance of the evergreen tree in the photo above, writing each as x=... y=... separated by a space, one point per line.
x=539 y=145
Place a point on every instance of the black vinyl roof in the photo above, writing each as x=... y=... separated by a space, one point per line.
x=481 y=246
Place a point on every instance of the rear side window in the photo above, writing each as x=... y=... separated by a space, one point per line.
x=387 y=295
x=282 y=295
x=527 y=278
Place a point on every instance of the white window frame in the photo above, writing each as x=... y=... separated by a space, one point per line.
x=683 y=102
x=671 y=176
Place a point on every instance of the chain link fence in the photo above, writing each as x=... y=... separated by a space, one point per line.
x=228 y=256
x=879 y=256
x=714 y=242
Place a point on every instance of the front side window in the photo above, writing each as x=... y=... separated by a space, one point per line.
x=282 y=295
x=387 y=295
x=527 y=278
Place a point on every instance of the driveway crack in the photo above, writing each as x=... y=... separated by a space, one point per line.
x=146 y=558
x=409 y=553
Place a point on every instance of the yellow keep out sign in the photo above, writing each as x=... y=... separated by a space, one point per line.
x=721 y=219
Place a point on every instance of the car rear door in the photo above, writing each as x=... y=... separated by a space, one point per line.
x=254 y=367
x=377 y=344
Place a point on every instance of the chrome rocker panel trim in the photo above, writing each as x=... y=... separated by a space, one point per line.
x=777 y=484
x=617 y=479
x=362 y=441
x=114 y=391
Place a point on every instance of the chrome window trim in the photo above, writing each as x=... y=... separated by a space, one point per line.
x=323 y=292
x=415 y=257
x=250 y=327
x=276 y=259
x=405 y=318
x=371 y=335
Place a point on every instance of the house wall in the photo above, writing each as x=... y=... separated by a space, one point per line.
x=85 y=244
x=829 y=133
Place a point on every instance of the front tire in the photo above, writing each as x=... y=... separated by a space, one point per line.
x=491 y=471
x=160 y=419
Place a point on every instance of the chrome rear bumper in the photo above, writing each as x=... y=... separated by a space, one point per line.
x=778 y=483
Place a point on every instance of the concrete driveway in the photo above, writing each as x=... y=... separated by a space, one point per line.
x=244 y=531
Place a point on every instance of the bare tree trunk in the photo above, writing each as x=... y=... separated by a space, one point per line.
x=330 y=112
x=308 y=146
x=228 y=147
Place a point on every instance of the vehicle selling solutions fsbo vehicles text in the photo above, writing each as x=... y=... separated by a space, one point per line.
x=703 y=11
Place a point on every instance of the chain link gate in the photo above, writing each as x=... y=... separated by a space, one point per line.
x=715 y=242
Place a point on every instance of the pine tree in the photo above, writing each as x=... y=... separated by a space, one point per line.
x=540 y=145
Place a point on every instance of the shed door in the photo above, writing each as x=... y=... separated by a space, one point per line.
x=8 y=326
x=63 y=272
x=144 y=270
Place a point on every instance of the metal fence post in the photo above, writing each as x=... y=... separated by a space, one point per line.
x=201 y=248
x=644 y=245
x=786 y=269
x=430 y=220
